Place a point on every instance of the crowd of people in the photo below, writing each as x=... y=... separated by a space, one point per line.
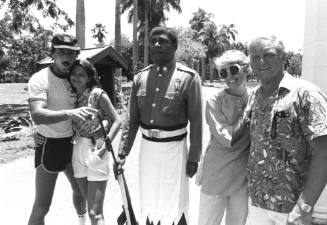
x=263 y=164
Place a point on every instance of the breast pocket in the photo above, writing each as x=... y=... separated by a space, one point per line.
x=172 y=102
x=141 y=94
x=283 y=123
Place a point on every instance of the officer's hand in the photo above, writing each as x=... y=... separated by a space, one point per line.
x=191 y=168
x=121 y=159
x=83 y=113
x=118 y=168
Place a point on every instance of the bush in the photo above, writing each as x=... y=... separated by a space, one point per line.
x=11 y=76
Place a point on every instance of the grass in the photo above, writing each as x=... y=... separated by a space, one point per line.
x=13 y=103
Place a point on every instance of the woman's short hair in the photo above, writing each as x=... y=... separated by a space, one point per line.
x=233 y=56
x=90 y=71
x=171 y=34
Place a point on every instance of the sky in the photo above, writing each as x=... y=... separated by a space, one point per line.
x=252 y=18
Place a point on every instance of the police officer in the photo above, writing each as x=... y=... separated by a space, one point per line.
x=165 y=97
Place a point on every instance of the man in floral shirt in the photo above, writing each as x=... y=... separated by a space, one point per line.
x=288 y=157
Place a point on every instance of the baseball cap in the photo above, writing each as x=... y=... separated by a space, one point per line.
x=65 y=41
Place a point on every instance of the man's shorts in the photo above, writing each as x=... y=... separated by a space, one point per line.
x=54 y=154
x=87 y=163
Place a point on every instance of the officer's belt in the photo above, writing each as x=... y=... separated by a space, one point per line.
x=158 y=135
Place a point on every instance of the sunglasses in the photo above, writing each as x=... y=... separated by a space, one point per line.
x=233 y=70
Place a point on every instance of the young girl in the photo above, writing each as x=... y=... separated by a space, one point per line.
x=90 y=157
x=224 y=184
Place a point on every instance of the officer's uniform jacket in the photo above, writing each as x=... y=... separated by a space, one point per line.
x=165 y=98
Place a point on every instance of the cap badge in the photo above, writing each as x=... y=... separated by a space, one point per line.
x=67 y=39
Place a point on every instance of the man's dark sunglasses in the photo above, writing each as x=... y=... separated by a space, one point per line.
x=233 y=69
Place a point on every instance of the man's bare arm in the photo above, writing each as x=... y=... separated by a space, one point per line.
x=317 y=175
x=41 y=115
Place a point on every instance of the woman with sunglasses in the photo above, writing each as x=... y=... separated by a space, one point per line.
x=223 y=180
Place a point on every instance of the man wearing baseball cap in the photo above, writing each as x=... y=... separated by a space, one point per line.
x=51 y=103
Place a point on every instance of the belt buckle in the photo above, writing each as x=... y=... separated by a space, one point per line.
x=154 y=133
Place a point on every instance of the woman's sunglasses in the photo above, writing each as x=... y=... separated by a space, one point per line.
x=233 y=70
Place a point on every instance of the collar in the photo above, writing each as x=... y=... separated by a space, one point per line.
x=288 y=83
x=61 y=76
x=168 y=67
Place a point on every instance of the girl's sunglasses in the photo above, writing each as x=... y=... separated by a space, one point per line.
x=233 y=70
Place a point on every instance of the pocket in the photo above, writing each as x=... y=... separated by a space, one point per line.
x=283 y=123
x=172 y=102
x=140 y=95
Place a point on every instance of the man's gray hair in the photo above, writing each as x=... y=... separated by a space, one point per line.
x=272 y=39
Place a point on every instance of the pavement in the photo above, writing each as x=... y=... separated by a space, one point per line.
x=17 y=193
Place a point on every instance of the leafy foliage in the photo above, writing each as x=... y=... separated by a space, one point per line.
x=22 y=14
x=240 y=46
x=126 y=51
x=99 y=32
x=27 y=50
x=293 y=63
x=198 y=20
x=217 y=39
x=23 y=39
x=156 y=14
x=189 y=49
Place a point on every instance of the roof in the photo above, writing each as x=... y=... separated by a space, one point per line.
x=100 y=55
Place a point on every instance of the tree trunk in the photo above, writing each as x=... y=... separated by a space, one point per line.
x=203 y=68
x=146 y=34
x=211 y=65
x=80 y=23
x=135 y=41
x=117 y=27
x=118 y=72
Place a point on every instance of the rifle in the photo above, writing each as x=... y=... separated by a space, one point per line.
x=127 y=216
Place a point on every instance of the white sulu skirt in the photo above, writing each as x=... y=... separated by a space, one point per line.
x=164 y=186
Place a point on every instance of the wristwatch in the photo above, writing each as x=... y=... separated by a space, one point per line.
x=304 y=207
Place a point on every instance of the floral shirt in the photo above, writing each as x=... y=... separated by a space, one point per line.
x=89 y=98
x=280 y=129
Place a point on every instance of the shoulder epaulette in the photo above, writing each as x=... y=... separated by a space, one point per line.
x=184 y=68
x=140 y=73
x=145 y=69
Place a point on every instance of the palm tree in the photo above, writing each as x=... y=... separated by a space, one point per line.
x=228 y=33
x=80 y=23
x=117 y=27
x=198 y=20
x=217 y=41
x=135 y=41
x=154 y=11
x=147 y=5
x=99 y=33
